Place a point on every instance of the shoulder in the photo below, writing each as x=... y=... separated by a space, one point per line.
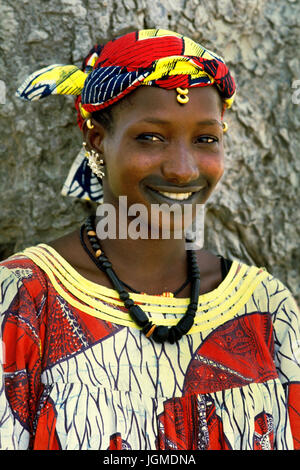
x=261 y=290
x=20 y=266
x=283 y=307
x=21 y=276
x=276 y=293
x=269 y=295
x=15 y=263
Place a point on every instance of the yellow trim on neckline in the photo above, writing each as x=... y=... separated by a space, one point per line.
x=111 y=293
x=214 y=307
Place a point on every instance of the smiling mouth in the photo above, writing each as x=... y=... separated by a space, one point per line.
x=176 y=196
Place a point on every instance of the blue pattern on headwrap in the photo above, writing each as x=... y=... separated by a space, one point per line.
x=109 y=82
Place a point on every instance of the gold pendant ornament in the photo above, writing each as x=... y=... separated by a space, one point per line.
x=182 y=97
x=95 y=161
x=89 y=124
x=225 y=126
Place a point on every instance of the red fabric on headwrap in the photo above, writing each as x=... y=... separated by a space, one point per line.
x=150 y=57
x=132 y=53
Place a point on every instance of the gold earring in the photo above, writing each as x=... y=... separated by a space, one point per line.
x=225 y=126
x=182 y=95
x=89 y=124
x=95 y=161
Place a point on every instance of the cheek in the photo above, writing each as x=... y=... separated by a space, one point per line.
x=219 y=170
x=126 y=168
x=212 y=166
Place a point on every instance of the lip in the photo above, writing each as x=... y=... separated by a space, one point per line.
x=176 y=189
x=155 y=196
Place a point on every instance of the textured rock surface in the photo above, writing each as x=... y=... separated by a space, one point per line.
x=254 y=214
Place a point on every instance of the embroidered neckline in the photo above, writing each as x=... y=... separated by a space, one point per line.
x=214 y=308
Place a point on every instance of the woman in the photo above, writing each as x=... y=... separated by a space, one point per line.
x=140 y=343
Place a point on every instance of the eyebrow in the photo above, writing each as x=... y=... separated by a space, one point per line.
x=206 y=122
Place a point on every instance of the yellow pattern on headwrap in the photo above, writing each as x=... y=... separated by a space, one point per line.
x=112 y=79
x=154 y=33
x=56 y=79
x=175 y=65
x=191 y=48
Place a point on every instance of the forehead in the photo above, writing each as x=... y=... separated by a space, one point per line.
x=162 y=103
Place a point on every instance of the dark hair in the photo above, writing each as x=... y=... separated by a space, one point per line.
x=105 y=118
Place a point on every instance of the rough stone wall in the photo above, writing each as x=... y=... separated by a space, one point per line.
x=254 y=214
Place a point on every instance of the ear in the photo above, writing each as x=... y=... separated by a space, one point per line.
x=93 y=134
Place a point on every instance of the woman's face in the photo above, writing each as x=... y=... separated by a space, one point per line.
x=162 y=152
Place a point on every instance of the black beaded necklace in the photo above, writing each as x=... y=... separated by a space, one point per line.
x=159 y=333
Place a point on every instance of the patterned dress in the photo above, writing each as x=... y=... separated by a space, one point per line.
x=78 y=373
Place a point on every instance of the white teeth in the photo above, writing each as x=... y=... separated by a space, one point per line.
x=176 y=196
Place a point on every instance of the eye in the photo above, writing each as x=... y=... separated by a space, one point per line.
x=206 y=139
x=149 y=138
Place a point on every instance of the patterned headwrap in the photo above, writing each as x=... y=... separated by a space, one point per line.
x=153 y=57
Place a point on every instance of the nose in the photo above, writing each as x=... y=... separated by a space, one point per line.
x=180 y=167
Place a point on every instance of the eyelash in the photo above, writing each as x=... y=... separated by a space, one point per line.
x=144 y=137
x=213 y=139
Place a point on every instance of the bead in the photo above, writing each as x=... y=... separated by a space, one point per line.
x=167 y=294
x=191 y=314
x=98 y=253
x=117 y=284
x=147 y=327
x=182 y=99
x=182 y=91
x=110 y=273
x=185 y=324
x=160 y=334
x=89 y=124
x=92 y=233
x=138 y=315
x=177 y=332
x=150 y=331
x=171 y=335
x=225 y=126
x=182 y=95
x=195 y=291
x=194 y=271
x=106 y=264
x=124 y=295
x=196 y=276
x=128 y=303
x=193 y=306
x=102 y=258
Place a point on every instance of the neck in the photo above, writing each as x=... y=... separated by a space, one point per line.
x=155 y=253
x=148 y=265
